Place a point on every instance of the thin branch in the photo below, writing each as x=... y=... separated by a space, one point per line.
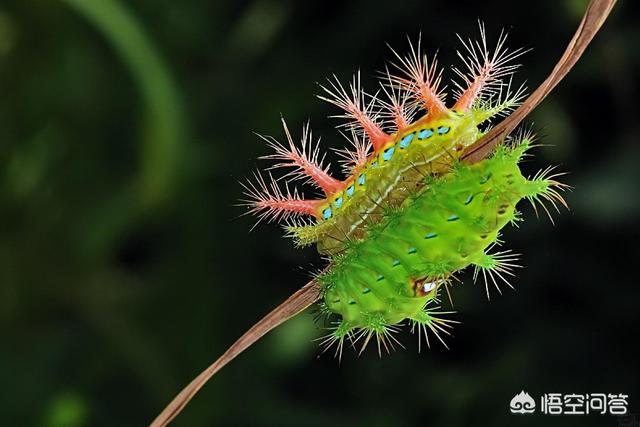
x=595 y=15
x=295 y=304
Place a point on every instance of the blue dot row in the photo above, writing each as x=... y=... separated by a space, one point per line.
x=387 y=155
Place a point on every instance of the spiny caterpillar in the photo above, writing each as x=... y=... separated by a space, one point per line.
x=410 y=214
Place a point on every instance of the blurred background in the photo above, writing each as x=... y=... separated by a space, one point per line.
x=125 y=127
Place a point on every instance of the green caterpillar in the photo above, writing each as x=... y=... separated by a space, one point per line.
x=395 y=272
x=410 y=214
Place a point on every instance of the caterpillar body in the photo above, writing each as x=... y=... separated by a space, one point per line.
x=397 y=269
x=410 y=214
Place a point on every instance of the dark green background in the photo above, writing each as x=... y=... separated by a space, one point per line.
x=125 y=127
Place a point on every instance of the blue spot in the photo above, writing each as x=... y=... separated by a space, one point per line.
x=425 y=133
x=469 y=199
x=352 y=302
x=326 y=214
x=430 y=235
x=361 y=179
x=453 y=217
x=388 y=153
x=366 y=290
x=396 y=262
x=443 y=130
x=338 y=202
x=406 y=141
x=374 y=164
x=412 y=250
x=380 y=277
x=350 y=190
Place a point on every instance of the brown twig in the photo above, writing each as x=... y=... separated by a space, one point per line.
x=295 y=304
x=595 y=15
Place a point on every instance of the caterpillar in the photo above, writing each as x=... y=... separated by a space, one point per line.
x=410 y=214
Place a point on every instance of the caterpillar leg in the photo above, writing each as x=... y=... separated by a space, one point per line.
x=304 y=162
x=543 y=187
x=485 y=69
x=422 y=78
x=496 y=268
x=337 y=337
x=429 y=321
x=359 y=113
x=377 y=326
x=270 y=203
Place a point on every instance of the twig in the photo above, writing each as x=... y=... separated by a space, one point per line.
x=295 y=304
x=595 y=15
